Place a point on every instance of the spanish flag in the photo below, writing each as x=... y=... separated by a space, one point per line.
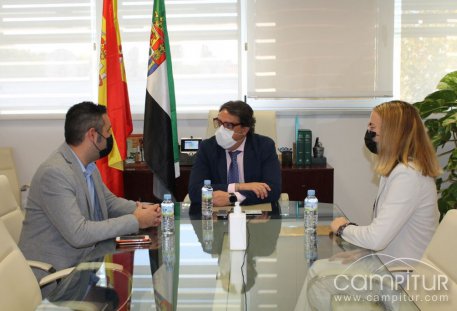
x=160 y=136
x=113 y=93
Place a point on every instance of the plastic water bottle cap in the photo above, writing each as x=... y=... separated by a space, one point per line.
x=207 y=182
x=311 y=192
x=167 y=196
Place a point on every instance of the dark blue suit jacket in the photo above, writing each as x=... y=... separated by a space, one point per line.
x=260 y=161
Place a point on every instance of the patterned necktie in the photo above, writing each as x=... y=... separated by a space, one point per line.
x=233 y=174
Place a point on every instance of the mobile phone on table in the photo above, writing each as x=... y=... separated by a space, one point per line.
x=133 y=239
x=223 y=213
x=253 y=212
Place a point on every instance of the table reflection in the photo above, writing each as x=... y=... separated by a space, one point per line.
x=213 y=235
x=194 y=268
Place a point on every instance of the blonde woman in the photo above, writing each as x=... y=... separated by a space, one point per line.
x=405 y=212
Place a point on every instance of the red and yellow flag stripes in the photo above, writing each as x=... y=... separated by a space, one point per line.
x=113 y=94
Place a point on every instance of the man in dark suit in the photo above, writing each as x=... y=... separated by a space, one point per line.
x=242 y=166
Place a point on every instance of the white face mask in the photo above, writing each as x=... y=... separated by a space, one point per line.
x=224 y=137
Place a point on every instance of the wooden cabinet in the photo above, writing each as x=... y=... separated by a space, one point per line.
x=296 y=182
x=138 y=182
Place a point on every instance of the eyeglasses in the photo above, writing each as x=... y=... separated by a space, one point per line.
x=110 y=131
x=228 y=125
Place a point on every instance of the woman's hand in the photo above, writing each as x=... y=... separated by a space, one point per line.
x=338 y=222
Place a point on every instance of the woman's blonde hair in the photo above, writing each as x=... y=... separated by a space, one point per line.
x=404 y=139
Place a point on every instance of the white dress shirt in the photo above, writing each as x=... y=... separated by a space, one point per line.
x=239 y=159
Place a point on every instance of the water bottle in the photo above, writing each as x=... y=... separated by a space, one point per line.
x=311 y=211
x=168 y=215
x=168 y=251
x=207 y=198
x=310 y=247
x=208 y=233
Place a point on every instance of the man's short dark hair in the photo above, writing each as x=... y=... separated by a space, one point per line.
x=80 y=118
x=241 y=110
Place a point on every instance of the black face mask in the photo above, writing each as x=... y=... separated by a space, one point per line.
x=370 y=143
x=109 y=146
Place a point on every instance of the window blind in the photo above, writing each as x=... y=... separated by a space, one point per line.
x=46 y=55
x=328 y=50
x=49 y=52
x=320 y=49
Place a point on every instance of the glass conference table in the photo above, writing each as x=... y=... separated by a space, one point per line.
x=283 y=268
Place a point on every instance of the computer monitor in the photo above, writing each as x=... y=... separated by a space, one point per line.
x=190 y=145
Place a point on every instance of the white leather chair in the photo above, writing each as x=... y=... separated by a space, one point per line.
x=19 y=289
x=438 y=264
x=14 y=268
x=12 y=217
x=8 y=168
x=10 y=213
x=432 y=284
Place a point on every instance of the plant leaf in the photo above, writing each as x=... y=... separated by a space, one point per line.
x=451 y=119
x=438 y=182
x=444 y=205
x=439 y=101
x=448 y=82
x=442 y=130
x=452 y=165
x=446 y=95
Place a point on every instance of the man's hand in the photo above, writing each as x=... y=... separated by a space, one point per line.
x=337 y=222
x=259 y=188
x=148 y=215
x=220 y=198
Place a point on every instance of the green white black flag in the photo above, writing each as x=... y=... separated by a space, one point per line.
x=160 y=129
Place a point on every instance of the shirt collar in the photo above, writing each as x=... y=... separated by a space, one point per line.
x=87 y=171
x=240 y=147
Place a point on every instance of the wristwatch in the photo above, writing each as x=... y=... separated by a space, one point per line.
x=339 y=232
x=232 y=198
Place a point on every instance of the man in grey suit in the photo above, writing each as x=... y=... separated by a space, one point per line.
x=69 y=209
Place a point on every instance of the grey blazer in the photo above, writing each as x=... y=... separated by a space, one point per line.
x=57 y=228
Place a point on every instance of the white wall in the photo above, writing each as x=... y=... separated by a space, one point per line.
x=341 y=134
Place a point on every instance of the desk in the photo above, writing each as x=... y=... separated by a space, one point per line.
x=138 y=182
x=200 y=272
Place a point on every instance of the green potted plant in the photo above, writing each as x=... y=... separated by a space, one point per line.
x=439 y=110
